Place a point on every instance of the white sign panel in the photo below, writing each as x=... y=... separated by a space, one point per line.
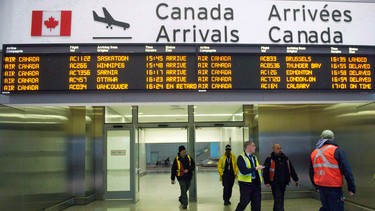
x=194 y=21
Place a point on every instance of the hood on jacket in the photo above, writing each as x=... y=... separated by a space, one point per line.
x=322 y=142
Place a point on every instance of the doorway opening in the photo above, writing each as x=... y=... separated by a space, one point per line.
x=160 y=130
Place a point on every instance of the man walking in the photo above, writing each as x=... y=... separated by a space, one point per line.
x=249 y=178
x=328 y=166
x=228 y=170
x=183 y=168
x=277 y=175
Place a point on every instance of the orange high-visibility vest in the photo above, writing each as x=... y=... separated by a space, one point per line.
x=273 y=167
x=326 y=169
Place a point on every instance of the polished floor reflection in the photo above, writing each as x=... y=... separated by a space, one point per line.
x=157 y=193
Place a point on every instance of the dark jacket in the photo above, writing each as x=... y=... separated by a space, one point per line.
x=344 y=166
x=186 y=164
x=282 y=173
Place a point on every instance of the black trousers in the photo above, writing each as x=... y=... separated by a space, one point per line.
x=228 y=182
x=278 y=192
x=249 y=192
x=184 y=187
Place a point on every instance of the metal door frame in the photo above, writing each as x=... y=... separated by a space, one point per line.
x=134 y=165
x=117 y=194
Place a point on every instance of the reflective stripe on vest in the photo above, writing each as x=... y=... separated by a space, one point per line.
x=326 y=169
x=272 y=170
x=273 y=167
x=248 y=177
x=180 y=167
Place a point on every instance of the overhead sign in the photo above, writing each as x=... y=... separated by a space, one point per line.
x=194 y=21
x=196 y=68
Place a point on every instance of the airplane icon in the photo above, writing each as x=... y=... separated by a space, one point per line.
x=108 y=19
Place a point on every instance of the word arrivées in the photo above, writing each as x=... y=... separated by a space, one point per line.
x=305 y=15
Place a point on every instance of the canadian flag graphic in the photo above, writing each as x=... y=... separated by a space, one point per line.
x=51 y=23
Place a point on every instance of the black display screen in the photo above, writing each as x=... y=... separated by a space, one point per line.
x=132 y=67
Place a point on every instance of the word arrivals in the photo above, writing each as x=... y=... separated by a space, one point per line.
x=197 y=35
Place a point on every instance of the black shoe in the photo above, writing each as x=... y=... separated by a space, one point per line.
x=184 y=206
x=226 y=203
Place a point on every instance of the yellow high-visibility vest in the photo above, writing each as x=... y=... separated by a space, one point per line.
x=180 y=167
x=248 y=177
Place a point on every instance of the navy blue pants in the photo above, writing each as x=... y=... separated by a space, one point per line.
x=332 y=199
x=249 y=192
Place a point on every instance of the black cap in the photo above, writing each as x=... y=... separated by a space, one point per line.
x=180 y=148
x=228 y=147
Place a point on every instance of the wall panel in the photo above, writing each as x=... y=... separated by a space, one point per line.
x=289 y=126
x=298 y=127
x=37 y=157
x=353 y=125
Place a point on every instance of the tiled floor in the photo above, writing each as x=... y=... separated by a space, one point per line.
x=157 y=193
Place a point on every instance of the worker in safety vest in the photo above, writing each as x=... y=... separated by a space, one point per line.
x=277 y=175
x=183 y=168
x=227 y=168
x=328 y=166
x=249 y=178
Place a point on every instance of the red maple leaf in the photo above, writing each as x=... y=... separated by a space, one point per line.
x=51 y=23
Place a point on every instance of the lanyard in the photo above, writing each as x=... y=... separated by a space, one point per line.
x=228 y=162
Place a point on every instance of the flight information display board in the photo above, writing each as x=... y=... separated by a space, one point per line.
x=131 y=67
